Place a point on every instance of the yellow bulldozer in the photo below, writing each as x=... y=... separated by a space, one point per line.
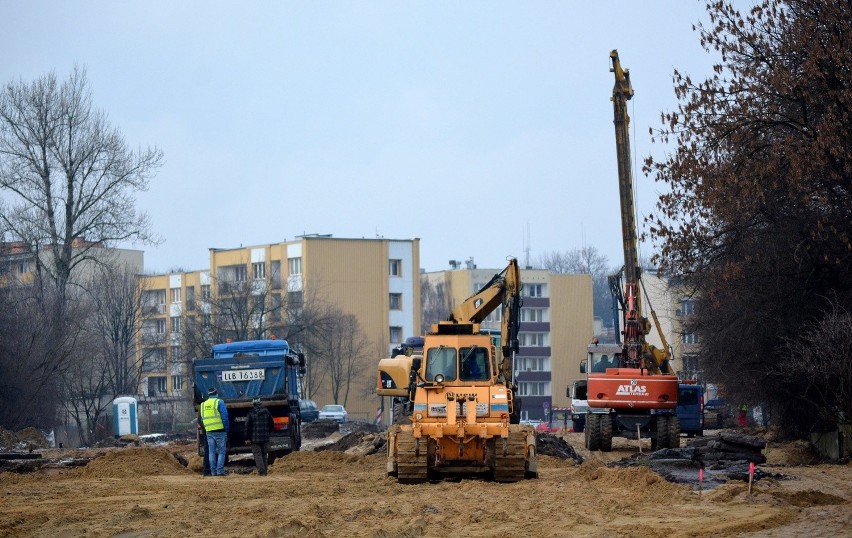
x=456 y=411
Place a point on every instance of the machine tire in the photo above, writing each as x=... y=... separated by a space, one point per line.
x=606 y=433
x=401 y=412
x=674 y=432
x=593 y=431
x=661 y=436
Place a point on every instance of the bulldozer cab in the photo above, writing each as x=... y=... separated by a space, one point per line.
x=466 y=363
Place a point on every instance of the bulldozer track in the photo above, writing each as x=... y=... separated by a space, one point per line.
x=510 y=465
x=412 y=463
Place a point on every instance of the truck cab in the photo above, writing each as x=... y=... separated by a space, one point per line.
x=690 y=408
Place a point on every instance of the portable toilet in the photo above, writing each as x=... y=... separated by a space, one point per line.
x=125 y=420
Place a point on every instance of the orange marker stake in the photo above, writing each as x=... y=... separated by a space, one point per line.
x=750 y=476
x=700 y=481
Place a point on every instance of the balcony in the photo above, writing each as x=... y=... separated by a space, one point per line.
x=153 y=309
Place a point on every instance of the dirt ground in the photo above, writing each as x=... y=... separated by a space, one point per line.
x=140 y=492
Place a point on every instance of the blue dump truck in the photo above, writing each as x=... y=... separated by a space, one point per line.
x=242 y=371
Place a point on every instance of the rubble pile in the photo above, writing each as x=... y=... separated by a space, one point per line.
x=726 y=456
x=728 y=447
x=549 y=445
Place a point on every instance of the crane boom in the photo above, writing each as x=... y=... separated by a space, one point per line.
x=622 y=92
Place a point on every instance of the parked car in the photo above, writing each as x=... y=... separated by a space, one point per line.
x=309 y=410
x=717 y=414
x=333 y=412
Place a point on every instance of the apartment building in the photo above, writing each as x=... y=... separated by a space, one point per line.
x=375 y=280
x=18 y=261
x=556 y=325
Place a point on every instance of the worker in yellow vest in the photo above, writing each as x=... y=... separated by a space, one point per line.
x=213 y=416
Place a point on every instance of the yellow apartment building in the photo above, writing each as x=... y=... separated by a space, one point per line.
x=374 y=280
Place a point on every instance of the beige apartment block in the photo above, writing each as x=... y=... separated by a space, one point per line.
x=556 y=325
x=375 y=280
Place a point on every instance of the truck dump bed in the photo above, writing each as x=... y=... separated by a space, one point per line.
x=242 y=371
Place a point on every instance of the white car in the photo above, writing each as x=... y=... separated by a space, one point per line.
x=333 y=412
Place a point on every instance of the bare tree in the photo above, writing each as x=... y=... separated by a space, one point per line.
x=586 y=260
x=344 y=351
x=68 y=180
x=117 y=319
x=435 y=304
x=84 y=389
x=69 y=174
x=28 y=373
x=256 y=310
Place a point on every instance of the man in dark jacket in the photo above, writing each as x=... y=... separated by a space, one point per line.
x=259 y=425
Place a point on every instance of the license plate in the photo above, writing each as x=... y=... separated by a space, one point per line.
x=243 y=375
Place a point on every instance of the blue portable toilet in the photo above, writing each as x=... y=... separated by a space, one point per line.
x=125 y=420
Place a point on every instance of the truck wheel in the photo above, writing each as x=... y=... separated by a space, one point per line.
x=661 y=436
x=593 y=431
x=606 y=433
x=674 y=432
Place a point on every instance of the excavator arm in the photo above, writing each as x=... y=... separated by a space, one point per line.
x=504 y=289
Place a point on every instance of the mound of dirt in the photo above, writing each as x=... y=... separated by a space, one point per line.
x=638 y=481
x=26 y=439
x=130 y=462
x=359 y=443
x=319 y=428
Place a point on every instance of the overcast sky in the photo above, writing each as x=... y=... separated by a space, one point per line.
x=484 y=128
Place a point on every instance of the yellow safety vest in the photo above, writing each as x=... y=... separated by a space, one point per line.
x=210 y=416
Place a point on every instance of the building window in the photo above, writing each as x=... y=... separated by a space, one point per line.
x=259 y=270
x=154 y=360
x=177 y=383
x=294 y=265
x=275 y=276
x=395 y=267
x=176 y=324
x=156 y=385
x=533 y=339
x=534 y=290
x=687 y=307
x=689 y=338
x=161 y=326
x=240 y=273
x=175 y=295
x=205 y=292
x=396 y=301
x=535 y=315
x=534 y=388
x=175 y=352
x=206 y=320
x=396 y=335
x=532 y=364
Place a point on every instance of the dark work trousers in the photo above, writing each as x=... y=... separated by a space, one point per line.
x=206 y=469
x=260 y=456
